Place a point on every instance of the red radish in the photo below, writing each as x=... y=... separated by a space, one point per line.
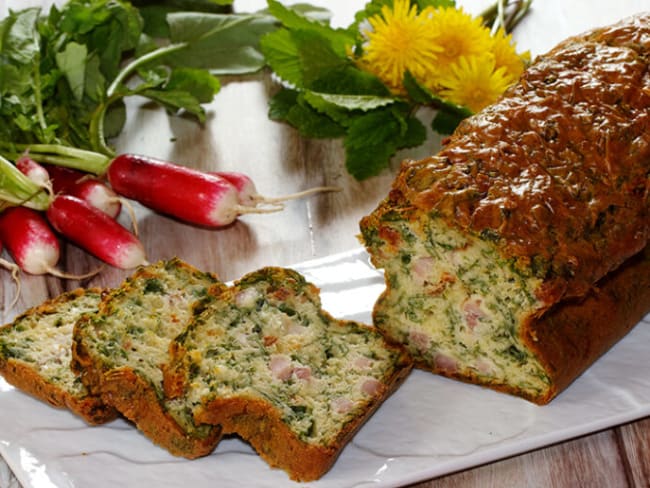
x=188 y=194
x=98 y=195
x=85 y=186
x=30 y=240
x=64 y=179
x=94 y=231
x=34 y=171
x=249 y=196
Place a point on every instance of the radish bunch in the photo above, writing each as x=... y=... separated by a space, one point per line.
x=83 y=207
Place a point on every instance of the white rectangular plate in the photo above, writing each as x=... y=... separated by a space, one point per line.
x=430 y=427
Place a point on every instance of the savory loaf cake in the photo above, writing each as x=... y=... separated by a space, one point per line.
x=497 y=250
x=264 y=361
x=120 y=352
x=35 y=353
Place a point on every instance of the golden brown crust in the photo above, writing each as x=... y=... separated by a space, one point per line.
x=90 y=407
x=571 y=336
x=131 y=394
x=257 y=419
x=260 y=424
x=555 y=173
x=23 y=376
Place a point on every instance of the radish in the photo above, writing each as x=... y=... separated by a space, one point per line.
x=187 y=194
x=94 y=231
x=34 y=171
x=64 y=179
x=98 y=195
x=249 y=196
x=85 y=186
x=31 y=242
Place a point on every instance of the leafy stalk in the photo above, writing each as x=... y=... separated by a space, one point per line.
x=70 y=157
x=18 y=189
x=97 y=135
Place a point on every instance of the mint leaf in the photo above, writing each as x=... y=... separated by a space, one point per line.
x=324 y=101
x=373 y=129
x=449 y=115
x=349 y=80
x=311 y=123
x=281 y=103
x=281 y=53
x=316 y=55
x=446 y=122
x=415 y=134
x=364 y=162
x=338 y=39
x=370 y=143
x=374 y=137
x=291 y=107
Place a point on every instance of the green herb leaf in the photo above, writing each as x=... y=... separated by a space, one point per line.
x=351 y=102
x=281 y=103
x=449 y=115
x=224 y=44
x=281 y=53
x=72 y=63
x=311 y=123
x=291 y=107
x=201 y=84
x=338 y=39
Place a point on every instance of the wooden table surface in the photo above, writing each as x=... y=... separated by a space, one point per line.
x=239 y=136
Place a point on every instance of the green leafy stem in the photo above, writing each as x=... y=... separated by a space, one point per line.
x=98 y=137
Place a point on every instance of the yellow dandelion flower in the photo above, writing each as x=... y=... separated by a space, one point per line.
x=505 y=55
x=400 y=40
x=459 y=33
x=473 y=82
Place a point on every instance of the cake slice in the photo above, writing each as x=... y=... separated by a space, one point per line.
x=120 y=352
x=264 y=361
x=35 y=354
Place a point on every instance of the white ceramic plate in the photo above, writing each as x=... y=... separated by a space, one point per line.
x=431 y=426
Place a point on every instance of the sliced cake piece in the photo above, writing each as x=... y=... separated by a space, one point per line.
x=120 y=352
x=35 y=354
x=264 y=361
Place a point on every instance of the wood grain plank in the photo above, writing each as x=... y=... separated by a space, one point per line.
x=634 y=443
x=591 y=461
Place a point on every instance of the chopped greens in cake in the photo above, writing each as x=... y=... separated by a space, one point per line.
x=266 y=345
x=128 y=340
x=35 y=353
x=455 y=304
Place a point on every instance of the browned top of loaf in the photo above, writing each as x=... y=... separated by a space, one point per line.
x=556 y=172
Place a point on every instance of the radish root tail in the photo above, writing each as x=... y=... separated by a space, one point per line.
x=15 y=270
x=67 y=276
x=295 y=196
x=131 y=211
